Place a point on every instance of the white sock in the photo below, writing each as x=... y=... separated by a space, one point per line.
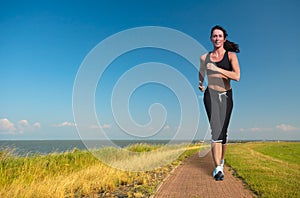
x=222 y=162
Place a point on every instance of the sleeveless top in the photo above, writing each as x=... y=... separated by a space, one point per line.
x=224 y=63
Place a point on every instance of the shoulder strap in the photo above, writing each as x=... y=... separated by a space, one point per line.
x=226 y=55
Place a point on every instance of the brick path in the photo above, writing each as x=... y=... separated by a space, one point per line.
x=194 y=179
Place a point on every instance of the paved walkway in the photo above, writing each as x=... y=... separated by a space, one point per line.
x=194 y=179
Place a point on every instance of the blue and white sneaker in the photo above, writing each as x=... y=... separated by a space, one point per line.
x=218 y=173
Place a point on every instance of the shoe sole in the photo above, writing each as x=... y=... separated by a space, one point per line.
x=219 y=176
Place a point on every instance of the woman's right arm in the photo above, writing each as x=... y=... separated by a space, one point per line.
x=202 y=72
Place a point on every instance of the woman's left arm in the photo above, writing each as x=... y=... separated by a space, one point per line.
x=235 y=73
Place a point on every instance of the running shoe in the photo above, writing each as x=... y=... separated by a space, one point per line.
x=218 y=173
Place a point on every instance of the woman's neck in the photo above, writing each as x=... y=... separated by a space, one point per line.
x=218 y=51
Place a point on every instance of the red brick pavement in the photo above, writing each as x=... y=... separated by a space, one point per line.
x=194 y=179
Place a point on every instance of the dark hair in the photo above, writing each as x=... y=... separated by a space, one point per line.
x=228 y=45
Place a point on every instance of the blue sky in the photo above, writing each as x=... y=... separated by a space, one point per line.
x=43 y=44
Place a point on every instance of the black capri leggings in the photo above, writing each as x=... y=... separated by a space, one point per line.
x=218 y=106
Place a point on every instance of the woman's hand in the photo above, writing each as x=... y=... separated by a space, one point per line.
x=201 y=87
x=212 y=67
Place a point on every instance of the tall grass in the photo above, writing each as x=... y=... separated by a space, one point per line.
x=140 y=157
x=269 y=169
x=79 y=173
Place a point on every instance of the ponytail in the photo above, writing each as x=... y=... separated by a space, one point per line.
x=231 y=46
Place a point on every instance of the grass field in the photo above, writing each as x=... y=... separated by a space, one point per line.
x=270 y=169
x=80 y=174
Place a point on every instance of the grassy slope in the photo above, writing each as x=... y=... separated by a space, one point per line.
x=269 y=169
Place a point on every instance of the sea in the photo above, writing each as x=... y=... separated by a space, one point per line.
x=42 y=147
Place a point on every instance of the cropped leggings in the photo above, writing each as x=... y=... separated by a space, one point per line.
x=218 y=106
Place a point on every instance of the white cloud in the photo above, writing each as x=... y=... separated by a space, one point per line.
x=7 y=126
x=167 y=127
x=66 y=124
x=94 y=126
x=37 y=125
x=286 y=127
x=23 y=125
x=255 y=129
x=282 y=127
x=104 y=126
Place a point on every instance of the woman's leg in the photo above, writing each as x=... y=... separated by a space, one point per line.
x=212 y=109
x=211 y=102
x=217 y=152
x=229 y=107
x=223 y=151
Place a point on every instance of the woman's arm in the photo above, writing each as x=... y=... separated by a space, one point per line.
x=202 y=72
x=234 y=74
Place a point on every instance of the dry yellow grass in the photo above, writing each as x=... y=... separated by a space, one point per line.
x=140 y=161
x=85 y=182
x=79 y=173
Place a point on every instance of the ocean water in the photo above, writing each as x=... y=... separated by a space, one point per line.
x=32 y=147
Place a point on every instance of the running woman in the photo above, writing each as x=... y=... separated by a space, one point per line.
x=221 y=66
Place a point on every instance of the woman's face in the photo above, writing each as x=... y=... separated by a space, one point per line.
x=217 y=38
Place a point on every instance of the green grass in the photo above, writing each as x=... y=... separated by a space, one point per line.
x=289 y=152
x=270 y=169
x=80 y=174
x=143 y=147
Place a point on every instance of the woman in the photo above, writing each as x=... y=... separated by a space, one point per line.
x=221 y=66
